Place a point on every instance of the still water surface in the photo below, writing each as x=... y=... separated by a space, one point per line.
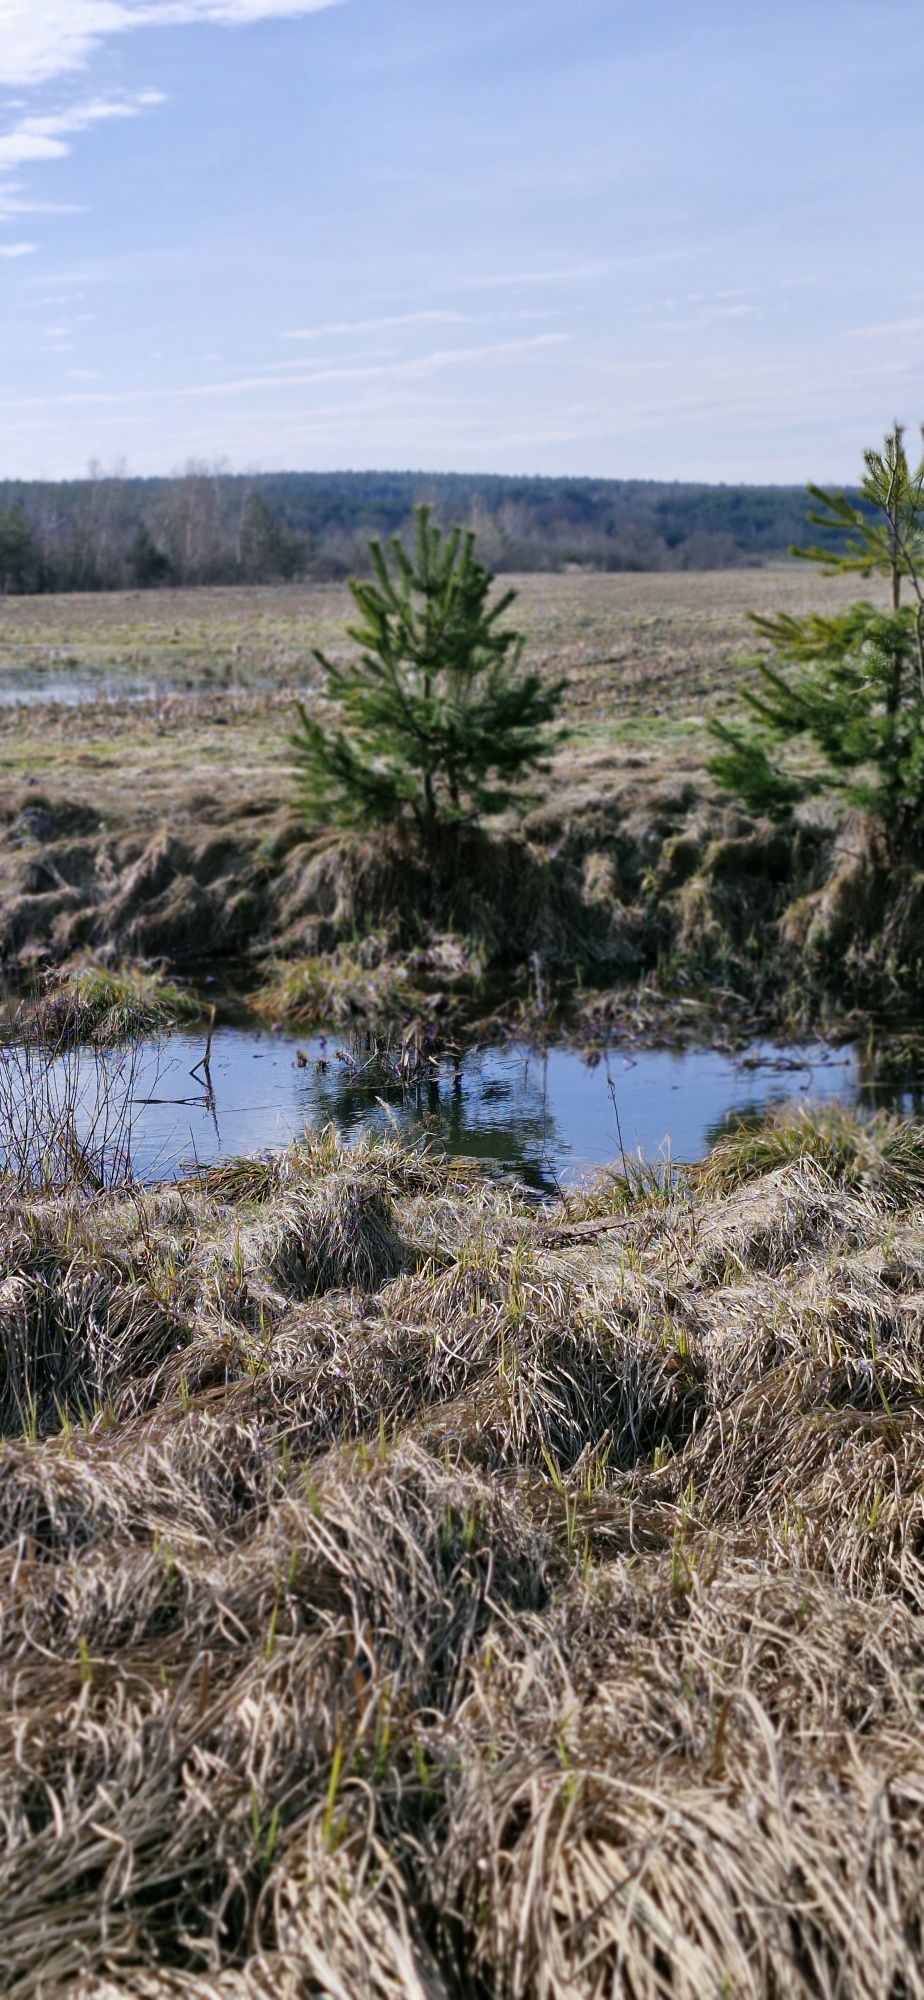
x=551 y=1120
x=22 y=687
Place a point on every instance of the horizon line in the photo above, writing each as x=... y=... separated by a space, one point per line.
x=412 y=472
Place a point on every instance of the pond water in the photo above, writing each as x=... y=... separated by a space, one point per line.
x=552 y=1120
x=24 y=688
x=31 y=687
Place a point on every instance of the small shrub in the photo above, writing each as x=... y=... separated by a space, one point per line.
x=437 y=721
x=851 y=684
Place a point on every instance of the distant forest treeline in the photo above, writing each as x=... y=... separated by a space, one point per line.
x=203 y=526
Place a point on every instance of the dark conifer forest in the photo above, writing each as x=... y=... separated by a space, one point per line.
x=210 y=526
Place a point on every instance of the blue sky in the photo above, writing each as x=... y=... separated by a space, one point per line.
x=635 y=238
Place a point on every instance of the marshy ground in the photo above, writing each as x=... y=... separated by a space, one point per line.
x=409 y=1588
x=158 y=821
x=409 y=1591
x=199 y=684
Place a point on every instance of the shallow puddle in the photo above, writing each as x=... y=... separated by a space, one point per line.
x=552 y=1120
x=26 y=689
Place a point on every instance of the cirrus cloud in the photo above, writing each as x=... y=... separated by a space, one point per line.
x=42 y=39
x=45 y=138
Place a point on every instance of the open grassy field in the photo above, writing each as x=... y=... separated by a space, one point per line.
x=647 y=658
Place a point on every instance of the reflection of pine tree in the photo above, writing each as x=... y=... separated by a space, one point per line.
x=851 y=684
x=523 y=1134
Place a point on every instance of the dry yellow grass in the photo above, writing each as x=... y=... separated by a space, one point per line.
x=407 y=1592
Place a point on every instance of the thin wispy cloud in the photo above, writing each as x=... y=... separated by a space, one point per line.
x=12 y=203
x=18 y=249
x=364 y=356
x=47 y=137
x=500 y=280
x=432 y=316
x=691 y=318
x=335 y=326
x=416 y=368
x=886 y=330
x=44 y=39
x=405 y=369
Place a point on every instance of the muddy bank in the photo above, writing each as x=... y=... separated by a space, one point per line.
x=782 y=923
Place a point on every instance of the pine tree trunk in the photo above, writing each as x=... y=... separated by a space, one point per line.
x=429 y=808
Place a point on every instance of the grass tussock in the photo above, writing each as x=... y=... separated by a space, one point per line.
x=404 y=1591
x=883 y=1155
x=373 y=927
x=103 y=1006
x=336 y=990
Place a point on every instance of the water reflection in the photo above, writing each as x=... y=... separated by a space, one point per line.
x=891 y=1078
x=489 y=1105
x=24 y=688
x=551 y=1121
